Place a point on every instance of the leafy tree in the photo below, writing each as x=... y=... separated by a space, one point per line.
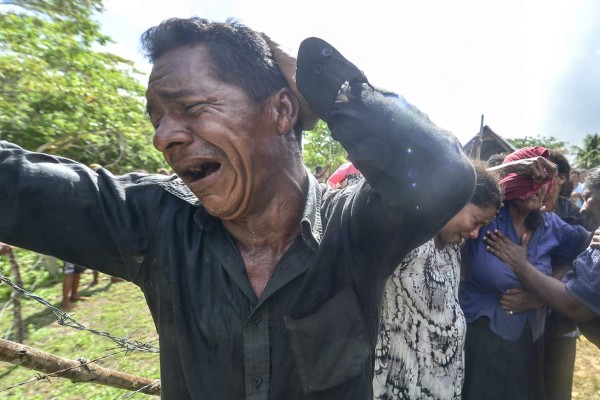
x=60 y=95
x=320 y=149
x=588 y=156
x=549 y=142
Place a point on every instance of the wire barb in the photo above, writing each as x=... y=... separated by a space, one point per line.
x=65 y=319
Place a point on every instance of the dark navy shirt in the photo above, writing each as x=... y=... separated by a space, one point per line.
x=583 y=281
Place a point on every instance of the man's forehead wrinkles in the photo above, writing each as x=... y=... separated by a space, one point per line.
x=168 y=93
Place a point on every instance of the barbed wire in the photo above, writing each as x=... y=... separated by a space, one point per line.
x=65 y=319
x=128 y=395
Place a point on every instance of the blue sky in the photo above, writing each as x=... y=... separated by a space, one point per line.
x=530 y=67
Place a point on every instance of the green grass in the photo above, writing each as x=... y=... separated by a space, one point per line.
x=118 y=308
x=586 y=379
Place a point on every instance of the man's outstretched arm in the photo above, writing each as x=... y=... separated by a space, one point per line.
x=56 y=206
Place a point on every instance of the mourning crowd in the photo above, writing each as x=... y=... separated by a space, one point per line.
x=411 y=272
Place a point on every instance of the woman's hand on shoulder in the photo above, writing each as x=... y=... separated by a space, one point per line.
x=512 y=254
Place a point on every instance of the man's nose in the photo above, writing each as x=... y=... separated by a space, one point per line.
x=171 y=133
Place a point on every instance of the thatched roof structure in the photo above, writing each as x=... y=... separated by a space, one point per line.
x=492 y=144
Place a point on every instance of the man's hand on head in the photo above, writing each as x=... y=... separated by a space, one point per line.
x=287 y=64
x=539 y=168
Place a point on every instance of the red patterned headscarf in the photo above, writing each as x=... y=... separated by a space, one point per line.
x=522 y=187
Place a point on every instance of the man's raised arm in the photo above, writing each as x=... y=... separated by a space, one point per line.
x=418 y=172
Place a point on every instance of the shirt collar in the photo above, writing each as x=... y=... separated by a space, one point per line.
x=504 y=215
x=311 y=226
x=177 y=188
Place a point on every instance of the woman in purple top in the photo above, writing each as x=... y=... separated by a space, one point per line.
x=502 y=352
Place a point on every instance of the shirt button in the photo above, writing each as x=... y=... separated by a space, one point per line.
x=256 y=319
x=258 y=382
x=327 y=52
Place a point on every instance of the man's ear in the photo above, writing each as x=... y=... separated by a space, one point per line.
x=285 y=110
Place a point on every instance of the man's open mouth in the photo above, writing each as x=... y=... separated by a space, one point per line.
x=200 y=172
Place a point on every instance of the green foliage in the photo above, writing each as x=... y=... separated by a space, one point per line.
x=33 y=272
x=319 y=148
x=549 y=142
x=60 y=95
x=588 y=156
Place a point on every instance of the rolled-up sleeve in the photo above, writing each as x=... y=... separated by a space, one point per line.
x=583 y=281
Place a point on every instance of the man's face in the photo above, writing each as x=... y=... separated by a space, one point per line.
x=535 y=201
x=220 y=143
x=575 y=179
x=466 y=224
x=551 y=197
x=591 y=208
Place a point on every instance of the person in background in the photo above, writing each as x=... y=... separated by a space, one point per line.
x=577 y=194
x=577 y=295
x=495 y=160
x=419 y=351
x=503 y=350
x=70 y=287
x=320 y=173
x=163 y=171
x=560 y=335
x=345 y=175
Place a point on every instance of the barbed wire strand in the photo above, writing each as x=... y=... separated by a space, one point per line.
x=128 y=395
x=39 y=376
x=65 y=319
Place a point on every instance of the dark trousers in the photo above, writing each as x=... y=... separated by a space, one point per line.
x=500 y=369
x=559 y=357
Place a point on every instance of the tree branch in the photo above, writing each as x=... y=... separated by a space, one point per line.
x=76 y=371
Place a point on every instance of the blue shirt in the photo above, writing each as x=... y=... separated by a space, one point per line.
x=486 y=277
x=583 y=281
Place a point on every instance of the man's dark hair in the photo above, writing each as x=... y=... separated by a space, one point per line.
x=487 y=191
x=592 y=181
x=562 y=167
x=240 y=55
x=495 y=160
x=562 y=164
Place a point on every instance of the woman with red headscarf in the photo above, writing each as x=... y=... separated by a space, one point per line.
x=503 y=350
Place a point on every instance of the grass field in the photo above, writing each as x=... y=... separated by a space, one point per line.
x=120 y=309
